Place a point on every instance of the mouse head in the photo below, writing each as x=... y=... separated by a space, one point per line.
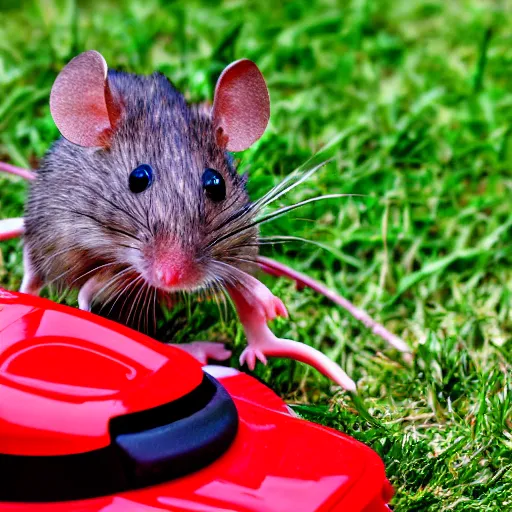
x=155 y=172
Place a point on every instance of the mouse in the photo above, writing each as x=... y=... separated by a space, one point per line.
x=140 y=201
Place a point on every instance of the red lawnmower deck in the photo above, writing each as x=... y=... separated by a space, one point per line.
x=97 y=417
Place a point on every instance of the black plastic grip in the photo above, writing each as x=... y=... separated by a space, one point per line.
x=182 y=446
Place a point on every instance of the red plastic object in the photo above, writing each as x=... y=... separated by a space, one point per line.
x=63 y=376
x=65 y=373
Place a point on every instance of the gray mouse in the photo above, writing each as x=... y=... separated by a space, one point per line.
x=140 y=197
x=136 y=196
x=139 y=200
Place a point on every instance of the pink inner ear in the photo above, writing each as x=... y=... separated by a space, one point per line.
x=241 y=107
x=78 y=100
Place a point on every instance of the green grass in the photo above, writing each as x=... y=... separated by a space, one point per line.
x=421 y=93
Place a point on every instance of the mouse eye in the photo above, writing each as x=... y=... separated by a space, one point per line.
x=140 y=178
x=213 y=184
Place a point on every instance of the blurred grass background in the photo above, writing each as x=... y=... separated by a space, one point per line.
x=421 y=93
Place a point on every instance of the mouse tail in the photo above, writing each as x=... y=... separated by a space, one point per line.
x=26 y=174
x=276 y=268
x=313 y=357
x=11 y=228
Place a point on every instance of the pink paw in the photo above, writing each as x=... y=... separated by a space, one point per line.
x=272 y=305
x=249 y=356
x=276 y=308
x=204 y=350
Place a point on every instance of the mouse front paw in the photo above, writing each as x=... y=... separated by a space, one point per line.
x=249 y=356
x=270 y=306
x=274 y=308
x=205 y=350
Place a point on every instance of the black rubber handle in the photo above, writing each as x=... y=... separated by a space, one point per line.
x=183 y=446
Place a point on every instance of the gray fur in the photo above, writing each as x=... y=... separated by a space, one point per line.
x=82 y=219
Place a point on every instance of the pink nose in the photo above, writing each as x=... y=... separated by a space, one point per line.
x=169 y=276
x=173 y=268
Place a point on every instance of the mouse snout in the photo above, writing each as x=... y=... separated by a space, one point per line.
x=173 y=268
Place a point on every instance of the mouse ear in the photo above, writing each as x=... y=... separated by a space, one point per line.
x=241 y=106
x=81 y=102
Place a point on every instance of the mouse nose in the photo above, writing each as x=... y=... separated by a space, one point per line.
x=169 y=276
x=173 y=269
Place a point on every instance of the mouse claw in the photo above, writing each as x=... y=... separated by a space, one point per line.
x=272 y=306
x=279 y=308
x=263 y=299
x=249 y=356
